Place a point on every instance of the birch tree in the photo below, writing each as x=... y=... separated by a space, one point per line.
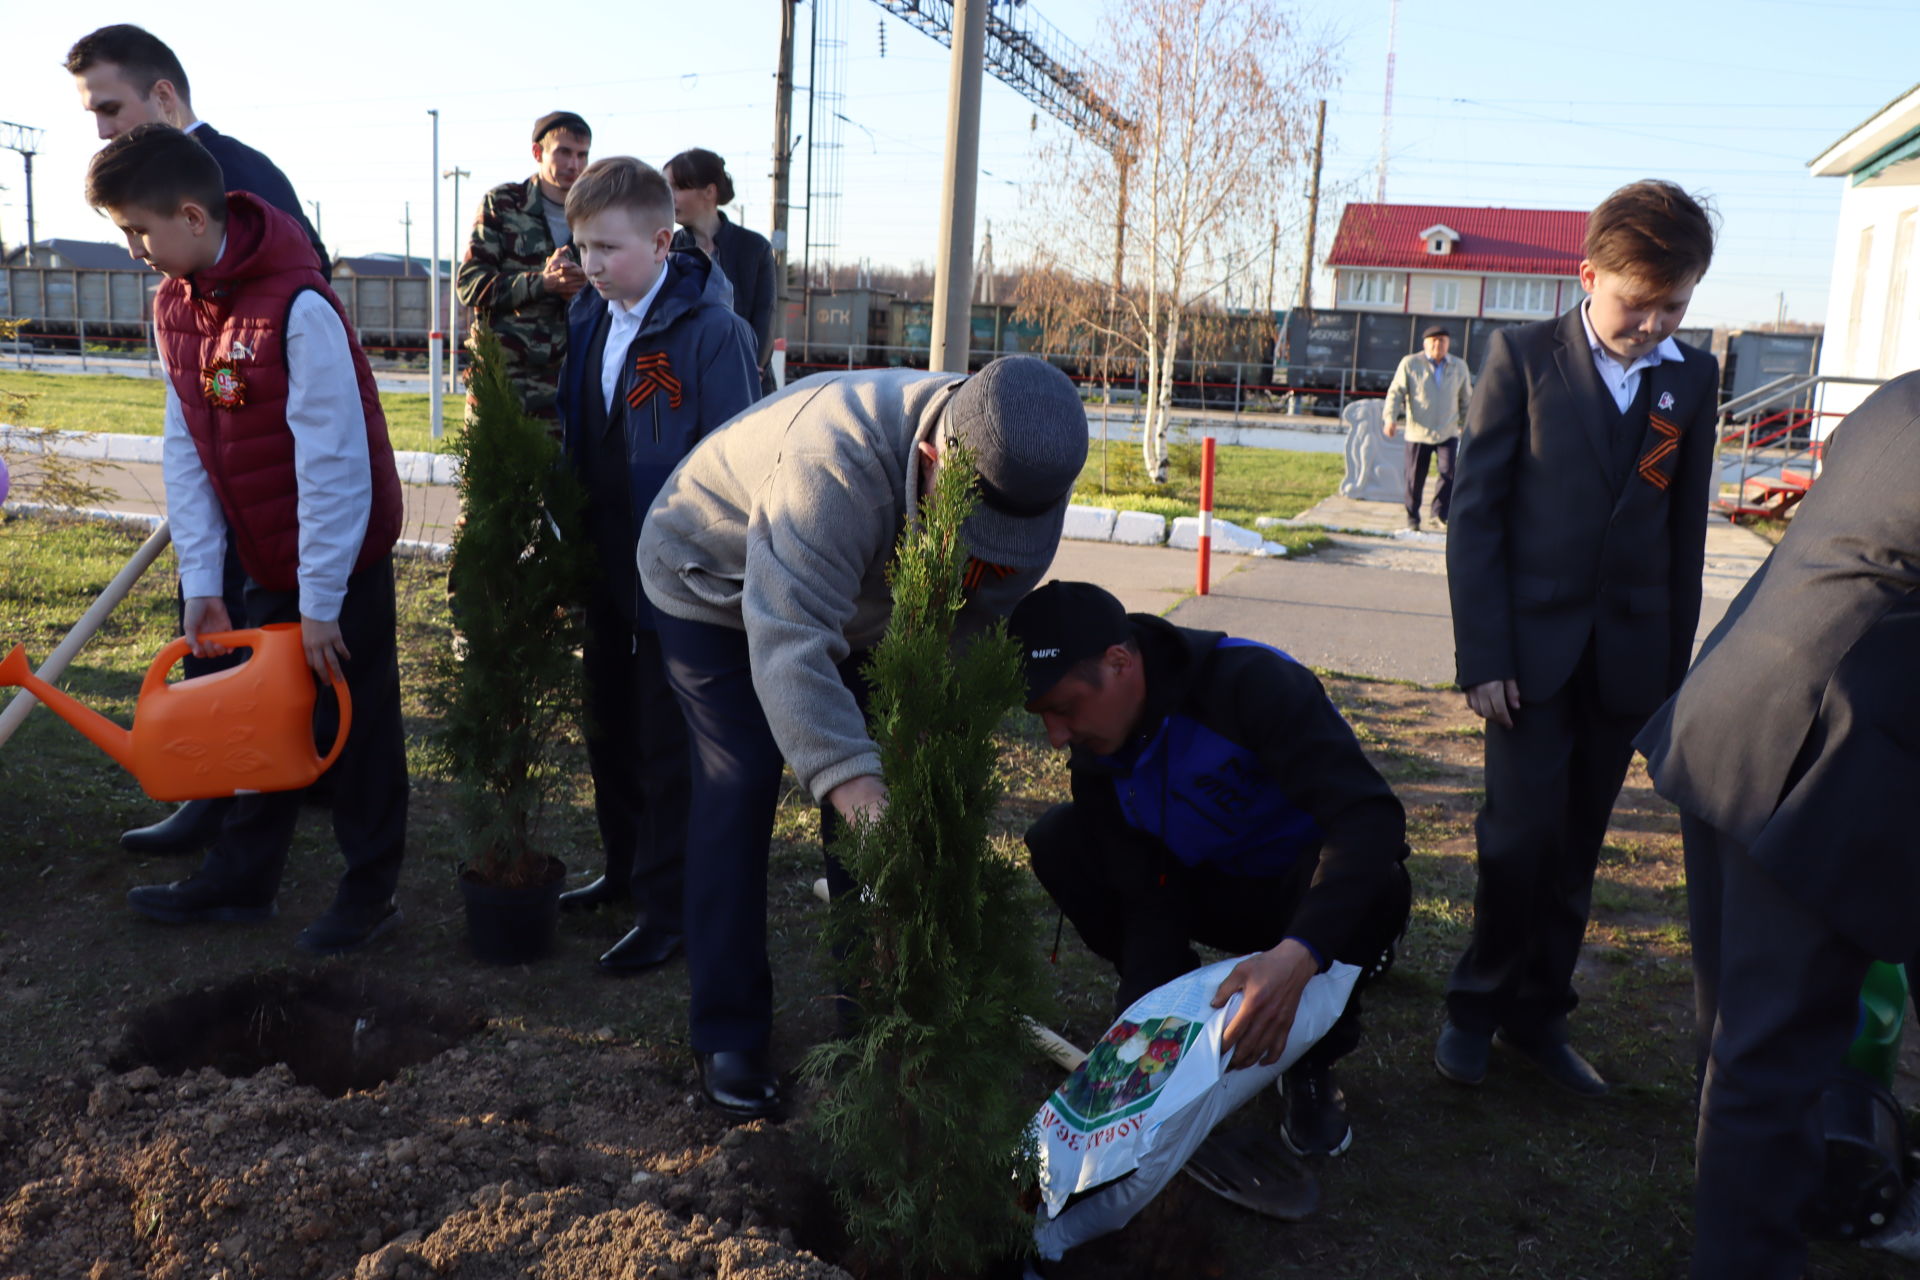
x=1125 y=243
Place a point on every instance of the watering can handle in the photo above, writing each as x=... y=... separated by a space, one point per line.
x=244 y=639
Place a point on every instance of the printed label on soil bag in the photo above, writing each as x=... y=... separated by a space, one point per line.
x=1123 y=1073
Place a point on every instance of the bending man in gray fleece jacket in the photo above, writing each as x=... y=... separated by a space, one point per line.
x=765 y=557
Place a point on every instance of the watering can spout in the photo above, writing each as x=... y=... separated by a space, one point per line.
x=99 y=730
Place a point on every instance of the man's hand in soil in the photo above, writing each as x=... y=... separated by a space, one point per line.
x=859 y=800
x=1495 y=700
x=326 y=650
x=562 y=275
x=1270 y=983
x=205 y=615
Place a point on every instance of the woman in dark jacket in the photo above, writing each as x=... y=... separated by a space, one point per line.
x=700 y=187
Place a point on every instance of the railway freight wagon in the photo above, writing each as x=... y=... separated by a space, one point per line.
x=1327 y=355
x=870 y=327
x=115 y=306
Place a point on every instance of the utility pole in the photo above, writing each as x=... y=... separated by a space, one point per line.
x=453 y=303
x=25 y=140
x=1780 y=319
x=406 y=258
x=782 y=176
x=952 y=287
x=983 y=271
x=316 y=220
x=434 y=333
x=1313 y=206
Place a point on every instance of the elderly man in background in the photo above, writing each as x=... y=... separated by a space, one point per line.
x=520 y=273
x=1428 y=397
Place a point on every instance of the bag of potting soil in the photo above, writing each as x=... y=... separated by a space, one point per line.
x=1148 y=1094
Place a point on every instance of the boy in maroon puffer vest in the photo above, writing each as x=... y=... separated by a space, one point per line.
x=273 y=420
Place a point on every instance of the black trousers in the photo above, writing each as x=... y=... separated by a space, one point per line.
x=637 y=751
x=1134 y=904
x=1442 y=455
x=1551 y=781
x=370 y=777
x=1778 y=996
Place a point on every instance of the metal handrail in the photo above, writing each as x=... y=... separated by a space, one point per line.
x=1779 y=389
x=1745 y=412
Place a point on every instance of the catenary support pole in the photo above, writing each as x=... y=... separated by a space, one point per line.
x=953 y=285
x=56 y=664
x=1206 y=513
x=434 y=333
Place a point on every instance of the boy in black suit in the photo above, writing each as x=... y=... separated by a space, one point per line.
x=1574 y=560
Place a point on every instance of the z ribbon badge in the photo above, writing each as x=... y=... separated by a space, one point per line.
x=222 y=384
x=1657 y=463
x=652 y=372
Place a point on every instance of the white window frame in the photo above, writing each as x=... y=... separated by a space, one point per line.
x=1446 y=296
x=1522 y=295
x=1373 y=288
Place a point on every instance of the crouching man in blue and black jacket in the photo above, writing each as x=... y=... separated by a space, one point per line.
x=1218 y=798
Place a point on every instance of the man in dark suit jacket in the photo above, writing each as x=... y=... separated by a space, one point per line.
x=127 y=76
x=1791 y=751
x=1574 y=562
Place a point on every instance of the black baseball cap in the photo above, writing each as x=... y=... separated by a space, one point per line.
x=1060 y=626
x=1435 y=331
x=568 y=120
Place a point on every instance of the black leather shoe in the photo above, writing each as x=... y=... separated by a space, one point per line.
x=601 y=893
x=1461 y=1055
x=740 y=1084
x=348 y=927
x=193 y=901
x=1559 y=1063
x=188 y=829
x=643 y=948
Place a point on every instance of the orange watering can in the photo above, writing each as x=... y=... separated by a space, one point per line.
x=246 y=729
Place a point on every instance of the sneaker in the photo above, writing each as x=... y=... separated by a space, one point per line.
x=1316 y=1123
x=347 y=927
x=1413 y=524
x=1439 y=525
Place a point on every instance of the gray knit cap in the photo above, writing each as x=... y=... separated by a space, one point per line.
x=1024 y=422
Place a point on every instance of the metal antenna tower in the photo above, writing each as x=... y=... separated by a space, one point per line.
x=1386 y=114
x=1031 y=56
x=25 y=140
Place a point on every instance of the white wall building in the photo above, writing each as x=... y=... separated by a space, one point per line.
x=1872 y=329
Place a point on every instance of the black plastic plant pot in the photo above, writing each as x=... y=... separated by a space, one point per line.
x=512 y=925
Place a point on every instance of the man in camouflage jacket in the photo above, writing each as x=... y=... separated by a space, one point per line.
x=519 y=273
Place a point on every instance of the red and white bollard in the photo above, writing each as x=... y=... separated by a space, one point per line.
x=1206 y=510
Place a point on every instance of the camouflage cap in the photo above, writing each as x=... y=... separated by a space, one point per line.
x=568 y=120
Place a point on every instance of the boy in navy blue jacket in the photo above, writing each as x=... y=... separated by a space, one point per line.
x=656 y=359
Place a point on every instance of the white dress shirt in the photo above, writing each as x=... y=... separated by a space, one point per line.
x=1623 y=381
x=332 y=474
x=625 y=323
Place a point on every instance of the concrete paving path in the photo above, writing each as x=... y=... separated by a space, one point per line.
x=1373 y=603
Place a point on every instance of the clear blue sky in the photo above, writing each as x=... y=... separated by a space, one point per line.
x=1520 y=104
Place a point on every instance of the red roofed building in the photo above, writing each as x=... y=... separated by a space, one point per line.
x=1441 y=260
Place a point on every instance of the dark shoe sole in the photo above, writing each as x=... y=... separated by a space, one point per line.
x=1304 y=1152
x=629 y=969
x=207 y=915
x=342 y=948
x=744 y=1115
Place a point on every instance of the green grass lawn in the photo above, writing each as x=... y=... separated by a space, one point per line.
x=1247 y=483
x=133 y=406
